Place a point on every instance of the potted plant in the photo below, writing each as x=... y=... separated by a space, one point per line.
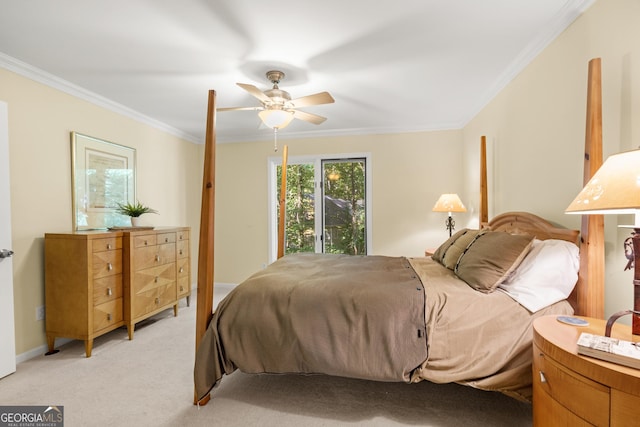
x=134 y=210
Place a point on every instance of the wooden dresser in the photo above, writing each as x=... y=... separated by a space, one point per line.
x=158 y=263
x=573 y=390
x=97 y=281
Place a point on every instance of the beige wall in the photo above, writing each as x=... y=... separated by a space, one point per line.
x=40 y=122
x=536 y=126
x=410 y=171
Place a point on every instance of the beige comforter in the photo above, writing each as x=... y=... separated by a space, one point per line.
x=370 y=317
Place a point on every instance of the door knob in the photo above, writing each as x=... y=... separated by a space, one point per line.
x=5 y=253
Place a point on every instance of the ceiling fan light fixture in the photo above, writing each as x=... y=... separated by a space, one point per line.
x=276 y=119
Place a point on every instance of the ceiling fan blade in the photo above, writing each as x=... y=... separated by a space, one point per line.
x=239 y=108
x=308 y=117
x=315 y=99
x=255 y=92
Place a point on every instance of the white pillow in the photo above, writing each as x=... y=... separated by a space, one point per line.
x=547 y=274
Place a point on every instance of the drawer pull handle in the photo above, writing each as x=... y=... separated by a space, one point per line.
x=543 y=379
x=109 y=266
x=109 y=292
x=180 y=251
x=156 y=279
x=109 y=317
x=166 y=240
x=157 y=301
x=158 y=258
x=145 y=243
x=181 y=270
x=108 y=245
x=181 y=288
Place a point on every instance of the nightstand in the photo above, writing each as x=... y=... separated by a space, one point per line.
x=569 y=389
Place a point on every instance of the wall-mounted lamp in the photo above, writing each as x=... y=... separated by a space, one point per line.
x=615 y=189
x=449 y=203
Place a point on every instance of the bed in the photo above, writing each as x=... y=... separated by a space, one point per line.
x=450 y=317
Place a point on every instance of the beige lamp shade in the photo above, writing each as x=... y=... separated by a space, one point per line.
x=614 y=189
x=449 y=203
x=276 y=119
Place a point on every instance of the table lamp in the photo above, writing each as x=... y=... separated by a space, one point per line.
x=449 y=203
x=615 y=189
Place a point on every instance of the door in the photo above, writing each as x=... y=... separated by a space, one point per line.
x=327 y=204
x=7 y=329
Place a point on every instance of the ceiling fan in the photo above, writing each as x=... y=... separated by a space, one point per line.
x=278 y=109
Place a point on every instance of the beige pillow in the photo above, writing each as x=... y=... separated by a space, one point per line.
x=438 y=255
x=453 y=253
x=490 y=258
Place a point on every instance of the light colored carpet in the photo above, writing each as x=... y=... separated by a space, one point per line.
x=149 y=382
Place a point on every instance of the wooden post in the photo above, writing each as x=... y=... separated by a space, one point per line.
x=590 y=300
x=204 y=304
x=282 y=202
x=484 y=206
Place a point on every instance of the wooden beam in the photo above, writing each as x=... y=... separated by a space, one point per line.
x=282 y=202
x=207 y=218
x=204 y=306
x=589 y=294
x=484 y=204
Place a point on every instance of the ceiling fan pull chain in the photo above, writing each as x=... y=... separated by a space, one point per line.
x=275 y=139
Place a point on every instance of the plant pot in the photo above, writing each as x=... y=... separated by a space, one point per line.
x=135 y=221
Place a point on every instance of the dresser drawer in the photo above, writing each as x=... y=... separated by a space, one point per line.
x=154 y=255
x=153 y=299
x=144 y=240
x=182 y=235
x=108 y=263
x=108 y=244
x=183 y=267
x=183 y=286
x=153 y=277
x=582 y=396
x=182 y=249
x=107 y=288
x=166 y=238
x=107 y=314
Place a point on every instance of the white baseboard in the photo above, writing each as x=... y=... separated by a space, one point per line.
x=220 y=290
x=39 y=351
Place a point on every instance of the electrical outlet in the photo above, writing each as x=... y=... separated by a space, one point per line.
x=40 y=313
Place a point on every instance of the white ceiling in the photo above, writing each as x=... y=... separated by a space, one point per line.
x=392 y=66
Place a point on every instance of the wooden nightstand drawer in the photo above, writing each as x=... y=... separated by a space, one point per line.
x=107 y=314
x=108 y=263
x=107 y=288
x=582 y=396
x=183 y=235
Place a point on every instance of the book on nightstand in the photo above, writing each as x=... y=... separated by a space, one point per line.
x=613 y=350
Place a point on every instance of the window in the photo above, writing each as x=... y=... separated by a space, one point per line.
x=327 y=204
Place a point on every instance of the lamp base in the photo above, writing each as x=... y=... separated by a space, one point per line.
x=450 y=224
